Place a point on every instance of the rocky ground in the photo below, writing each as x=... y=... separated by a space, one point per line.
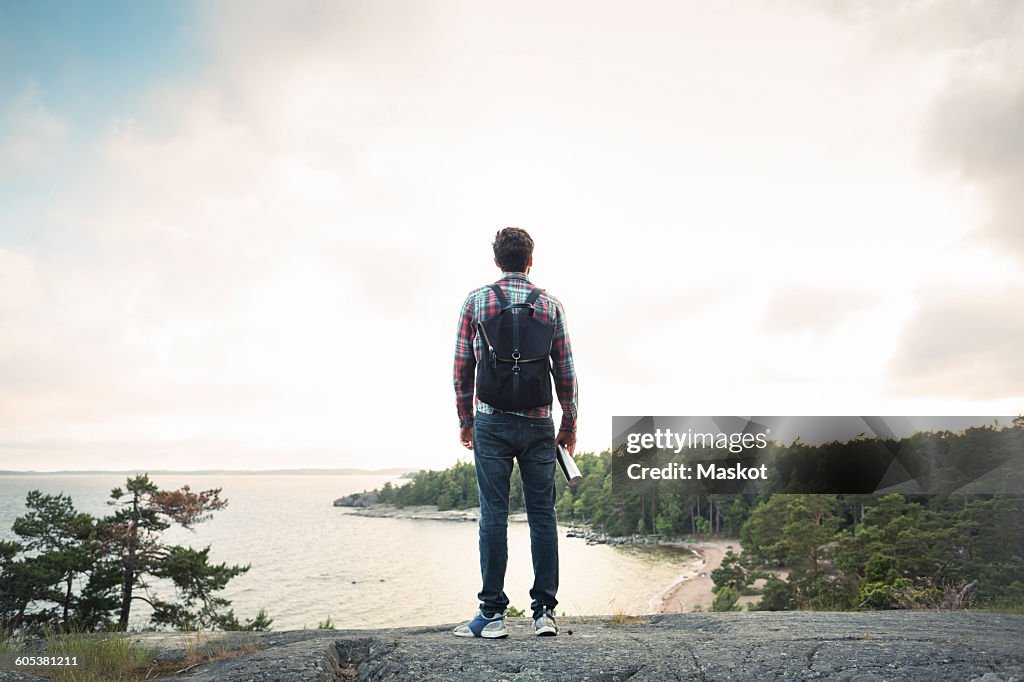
x=862 y=646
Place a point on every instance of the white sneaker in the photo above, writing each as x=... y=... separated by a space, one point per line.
x=481 y=626
x=544 y=624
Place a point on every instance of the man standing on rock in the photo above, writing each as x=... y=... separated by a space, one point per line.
x=493 y=356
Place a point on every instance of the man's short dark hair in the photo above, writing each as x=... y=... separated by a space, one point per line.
x=512 y=249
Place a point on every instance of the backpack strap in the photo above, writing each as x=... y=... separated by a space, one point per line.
x=528 y=305
x=502 y=300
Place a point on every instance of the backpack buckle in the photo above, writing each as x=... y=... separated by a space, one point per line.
x=515 y=356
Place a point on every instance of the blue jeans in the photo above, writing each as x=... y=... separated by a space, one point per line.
x=498 y=439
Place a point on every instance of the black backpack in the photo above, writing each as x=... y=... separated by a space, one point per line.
x=515 y=373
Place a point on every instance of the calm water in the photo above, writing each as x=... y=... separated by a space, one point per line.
x=311 y=560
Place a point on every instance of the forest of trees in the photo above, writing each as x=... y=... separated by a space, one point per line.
x=70 y=570
x=840 y=551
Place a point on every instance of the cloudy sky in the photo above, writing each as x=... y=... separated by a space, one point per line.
x=239 y=235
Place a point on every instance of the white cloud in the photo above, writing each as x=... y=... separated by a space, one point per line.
x=815 y=310
x=964 y=345
x=963 y=336
x=975 y=126
x=977 y=130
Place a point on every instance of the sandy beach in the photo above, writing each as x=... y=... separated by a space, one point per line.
x=693 y=588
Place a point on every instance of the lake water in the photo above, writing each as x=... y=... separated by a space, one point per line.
x=311 y=560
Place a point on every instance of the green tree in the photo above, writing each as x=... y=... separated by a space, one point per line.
x=777 y=595
x=807 y=535
x=796 y=531
x=726 y=599
x=882 y=587
x=564 y=506
x=70 y=570
x=18 y=587
x=196 y=581
x=732 y=573
x=63 y=546
x=55 y=576
x=133 y=536
x=261 y=623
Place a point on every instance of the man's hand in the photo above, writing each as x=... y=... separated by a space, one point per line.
x=568 y=440
x=466 y=436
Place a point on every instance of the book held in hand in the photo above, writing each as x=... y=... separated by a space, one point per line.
x=568 y=466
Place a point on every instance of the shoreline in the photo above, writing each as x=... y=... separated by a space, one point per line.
x=426 y=512
x=690 y=591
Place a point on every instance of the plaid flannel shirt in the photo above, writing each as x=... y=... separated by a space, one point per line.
x=481 y=303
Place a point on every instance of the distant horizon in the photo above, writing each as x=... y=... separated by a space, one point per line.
x=897 y=427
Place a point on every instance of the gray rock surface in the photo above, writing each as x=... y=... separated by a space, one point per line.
x=16 y=676
x=861 y=646
x=365 y=499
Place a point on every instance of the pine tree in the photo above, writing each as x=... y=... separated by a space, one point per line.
x=133 y=536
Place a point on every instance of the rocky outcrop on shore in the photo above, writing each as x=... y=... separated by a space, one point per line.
x=426 y=512
x=596 y=537
x=418 y=513
x=891 y=645
x=360 y=500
